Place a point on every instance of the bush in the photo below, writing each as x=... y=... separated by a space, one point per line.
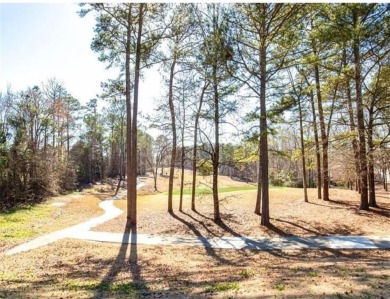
x=283 y=179
x=205 y=167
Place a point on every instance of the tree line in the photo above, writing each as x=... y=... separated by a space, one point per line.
x=302 y=88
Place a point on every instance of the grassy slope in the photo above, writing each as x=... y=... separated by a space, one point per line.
x=206 y=191
x=22 y=224
x=19 y=223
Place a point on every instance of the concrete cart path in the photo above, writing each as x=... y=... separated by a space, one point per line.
x=256 y=243
x=83 y=232
x=110 y=212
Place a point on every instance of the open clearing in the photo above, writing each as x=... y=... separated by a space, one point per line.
x=82 y=269
x=290 y=214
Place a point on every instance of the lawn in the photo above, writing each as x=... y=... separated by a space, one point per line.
x=81 y=269
x=290 y=215
x=23 y=224
x=208 y=191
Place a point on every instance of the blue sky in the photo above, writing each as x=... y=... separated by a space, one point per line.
x=41 y=41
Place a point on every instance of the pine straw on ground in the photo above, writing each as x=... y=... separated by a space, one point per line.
x=290 y=215
x=81 y=269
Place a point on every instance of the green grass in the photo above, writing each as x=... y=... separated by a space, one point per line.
x=280 y=287
x=312 y=273
x=343 y=271
x=121 y=288
x=222 y=287
x=19 y=223
x=207 y=191
x=247 y=273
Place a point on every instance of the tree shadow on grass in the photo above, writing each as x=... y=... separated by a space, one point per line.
x=379 y=210
x=301 y=240
x=350 y=204
x=227 y=228
x=185 y=282
x=253 y=244
x=221 y=224
x=192 y=226
x=200 y=214
x=136 y=286
x=319 y=229
x=328 y=206
x=207 y=245
x=354 y=206
x=283 y=233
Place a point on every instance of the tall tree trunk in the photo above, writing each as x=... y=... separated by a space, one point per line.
x=195 y=150
x=174 y=137
x=263 y=131
x=45 y=137
x=133 y=166
x=259 y=172
x=324 y=138
x=371 y=174
x=258 y=194
x=181 y=181
x=121 y=158
x=182 y=157
x=352 y=124
x=54 y=124
x=215 y=158
x=128 y=114
x=102 y=165
x=302 y=152
x=155 y=178
x=67 y=131
x=316 y=141
x=317 y=145
x=360 y=117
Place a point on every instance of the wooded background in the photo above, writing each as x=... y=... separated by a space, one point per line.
x=291 y=95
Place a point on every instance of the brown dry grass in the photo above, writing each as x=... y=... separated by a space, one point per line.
x=81 y=269
x=22 y=225
x=290 y=214
x=202 y=182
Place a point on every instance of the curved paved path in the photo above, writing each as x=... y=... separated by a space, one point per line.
x=83 y=231
x=255 y=243
x=110 y=212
